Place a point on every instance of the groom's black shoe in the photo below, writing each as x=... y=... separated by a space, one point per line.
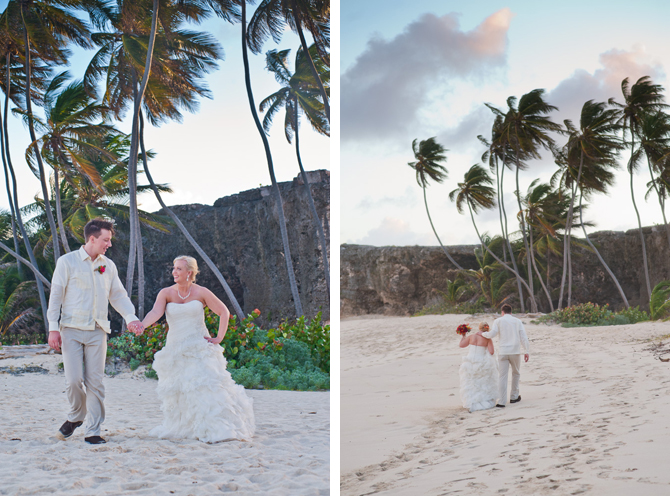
x=94 y=440
x=516 y=400
x=500 y=406
x=68 y=428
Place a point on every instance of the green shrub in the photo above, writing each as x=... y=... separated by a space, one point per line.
x=150 y=373
x=592 y=314
x=659 y=303
x=295 y=355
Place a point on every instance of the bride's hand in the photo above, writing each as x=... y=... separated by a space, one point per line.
x=215 y=340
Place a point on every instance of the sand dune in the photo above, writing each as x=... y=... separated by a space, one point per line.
x=594 y=416
x=288 y=455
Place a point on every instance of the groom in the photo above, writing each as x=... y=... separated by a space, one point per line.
x=84 y=283
x=512 y=335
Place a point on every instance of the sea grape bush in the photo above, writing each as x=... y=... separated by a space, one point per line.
x=592 y=314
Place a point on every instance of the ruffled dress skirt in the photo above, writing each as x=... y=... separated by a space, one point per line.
x=199 y=398
x=479 y=379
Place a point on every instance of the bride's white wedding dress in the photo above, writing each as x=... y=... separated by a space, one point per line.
x=199 y=398
x=479 y=379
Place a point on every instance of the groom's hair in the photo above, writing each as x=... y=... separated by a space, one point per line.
x=94 y=228
x=506 y=308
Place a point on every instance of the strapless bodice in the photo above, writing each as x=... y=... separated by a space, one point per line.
x=477 y=351
x=185 y=321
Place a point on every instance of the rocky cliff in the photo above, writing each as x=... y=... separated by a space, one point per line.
x=403 y=280
x=240 y=233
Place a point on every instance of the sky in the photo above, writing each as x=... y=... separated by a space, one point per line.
x=214 y=152
x=426 y=68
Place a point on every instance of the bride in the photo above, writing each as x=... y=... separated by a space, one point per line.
x=199 y=398
x=478 y=372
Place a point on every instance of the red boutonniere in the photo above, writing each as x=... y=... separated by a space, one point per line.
x=100 y=269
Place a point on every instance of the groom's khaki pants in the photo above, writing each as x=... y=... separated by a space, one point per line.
x=504 y=363
x=87 y=348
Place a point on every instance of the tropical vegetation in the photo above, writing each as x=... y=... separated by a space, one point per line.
x=146 y=63
x=530 y=261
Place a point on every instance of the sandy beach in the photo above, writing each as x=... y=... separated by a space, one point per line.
x=289 y=454
x=593 y=419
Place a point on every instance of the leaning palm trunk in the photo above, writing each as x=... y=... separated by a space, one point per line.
x=59 y=212
x=425 y=201
x=38 y=275
x=312 y=207
x=275 y=188
x=135 y=232
x=509 y=245
x=305 y=49
x=182 y=228
x=31 y=128
x=533 y=303
x=637 y=213
x=660 y=200
x=488 y=250
x=15 y=196
x=12 y=212
x=539 y=276
x=616 y=282
x=644 y=246
x=567 y=262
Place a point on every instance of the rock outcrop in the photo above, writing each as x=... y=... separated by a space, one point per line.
x=240 y=233
x=403 y=280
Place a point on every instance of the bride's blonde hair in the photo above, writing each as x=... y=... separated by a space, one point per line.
x=191 y=264
x=483 y=326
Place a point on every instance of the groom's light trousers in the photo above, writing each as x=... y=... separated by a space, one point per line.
x=84 y=354
x=504 y=364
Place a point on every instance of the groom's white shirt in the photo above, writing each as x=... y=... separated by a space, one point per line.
x=80 y=296
x=512 y=335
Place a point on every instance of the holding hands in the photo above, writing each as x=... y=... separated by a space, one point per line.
x=136 y=327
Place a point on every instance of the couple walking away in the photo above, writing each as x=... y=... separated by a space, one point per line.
x=199 y=398
x=483 y=379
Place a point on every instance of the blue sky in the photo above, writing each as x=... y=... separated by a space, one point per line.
x=215 y=152
x=426 y=68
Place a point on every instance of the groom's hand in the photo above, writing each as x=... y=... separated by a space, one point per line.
x=526 y=357
x=55 y=340
x=136 y=327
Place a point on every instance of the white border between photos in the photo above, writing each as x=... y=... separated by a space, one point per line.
x=335 y=247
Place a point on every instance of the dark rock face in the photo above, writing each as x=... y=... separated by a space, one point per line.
x=240 y=233
x=392 y=280
x=402 y=280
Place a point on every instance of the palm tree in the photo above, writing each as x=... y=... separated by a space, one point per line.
x=499 y=152
x=525 y=130
x=655 y=144
x=428 y=154
x=594 y=145
x=266 y=145
x=539 y=205
x=643 y=97
x=271 y=18
x=48 y=28
x=178 y=60
x=477 y=193
x=495 y=283
x=13 y=87
x=299 y=92
x=70 y=136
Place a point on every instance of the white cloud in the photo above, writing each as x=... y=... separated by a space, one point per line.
x=389 y=83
